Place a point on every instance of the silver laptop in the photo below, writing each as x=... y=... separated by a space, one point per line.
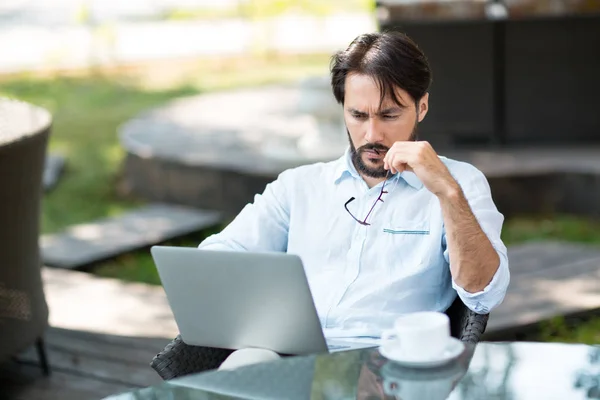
x=234 y=300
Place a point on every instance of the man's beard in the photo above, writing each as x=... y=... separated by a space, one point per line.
x=357 y=156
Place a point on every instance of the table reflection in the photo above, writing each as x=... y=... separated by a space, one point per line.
x=530 y=371
x=368 y=375
x=499 y=371
x=588 y=377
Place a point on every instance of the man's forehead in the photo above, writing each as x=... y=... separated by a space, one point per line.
x=357 y=100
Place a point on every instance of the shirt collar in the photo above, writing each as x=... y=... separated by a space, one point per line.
x=345 y=168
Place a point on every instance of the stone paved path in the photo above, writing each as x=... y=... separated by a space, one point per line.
x=548 y=279
x=84 y=244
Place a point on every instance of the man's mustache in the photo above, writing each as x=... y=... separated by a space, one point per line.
x=376 y=147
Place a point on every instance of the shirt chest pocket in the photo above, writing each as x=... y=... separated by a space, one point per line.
x=410 y=241
x=409 y=228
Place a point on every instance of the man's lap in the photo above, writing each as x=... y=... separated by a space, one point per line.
x=248 y=356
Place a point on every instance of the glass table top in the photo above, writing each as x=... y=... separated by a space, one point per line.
x=496 y=371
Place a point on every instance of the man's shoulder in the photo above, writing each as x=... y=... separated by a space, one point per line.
x=313 y=170
x=470 y=178
x=461 y=169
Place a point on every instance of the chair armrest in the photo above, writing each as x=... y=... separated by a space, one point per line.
x=473 y=327
x=179 y=359
x=465 y=324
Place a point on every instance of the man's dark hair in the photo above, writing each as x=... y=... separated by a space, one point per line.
x=391 y=58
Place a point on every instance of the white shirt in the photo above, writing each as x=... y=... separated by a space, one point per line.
x=363 y=277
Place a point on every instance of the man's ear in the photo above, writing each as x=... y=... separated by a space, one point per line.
x=423 y=107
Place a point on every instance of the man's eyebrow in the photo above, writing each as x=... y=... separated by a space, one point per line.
x=354 y=110
x=390 y=110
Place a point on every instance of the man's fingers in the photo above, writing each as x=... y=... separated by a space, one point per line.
x=396 y=163
x=393 y=163
x=389 y=162
x=400 y=155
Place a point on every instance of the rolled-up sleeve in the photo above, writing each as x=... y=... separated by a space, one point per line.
x=260 y=226
x=477 y=192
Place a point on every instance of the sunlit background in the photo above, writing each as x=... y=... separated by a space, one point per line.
x=96 y=65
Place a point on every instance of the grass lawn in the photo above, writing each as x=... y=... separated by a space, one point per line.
x=87 y=111
x=557 y=227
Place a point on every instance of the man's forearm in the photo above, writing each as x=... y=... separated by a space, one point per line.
x=473 y=259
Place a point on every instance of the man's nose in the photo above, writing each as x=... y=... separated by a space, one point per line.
x=374 y=134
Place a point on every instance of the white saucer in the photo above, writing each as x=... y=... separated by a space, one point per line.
x=454 y=349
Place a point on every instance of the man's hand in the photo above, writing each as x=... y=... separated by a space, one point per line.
x=420 y=158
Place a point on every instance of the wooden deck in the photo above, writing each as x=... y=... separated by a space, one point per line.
x=105 y=332
x=84 y=366
x=547 y=279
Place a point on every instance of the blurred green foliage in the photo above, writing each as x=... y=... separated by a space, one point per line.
x=571 y=330
x=261 y=9
x=555 y=227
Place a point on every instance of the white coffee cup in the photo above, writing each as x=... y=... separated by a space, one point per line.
x=420 y=336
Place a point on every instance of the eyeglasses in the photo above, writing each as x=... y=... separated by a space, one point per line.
x=379 y=199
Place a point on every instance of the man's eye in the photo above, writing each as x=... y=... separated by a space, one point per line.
x=358 y=116
x=390 y=116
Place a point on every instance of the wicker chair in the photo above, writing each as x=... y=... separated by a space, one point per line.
x=466 y=325
x=24 y=131
x=179 y=359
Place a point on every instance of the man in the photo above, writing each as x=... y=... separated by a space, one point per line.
x=390 y=227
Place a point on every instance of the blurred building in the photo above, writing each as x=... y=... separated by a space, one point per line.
x=512 y=72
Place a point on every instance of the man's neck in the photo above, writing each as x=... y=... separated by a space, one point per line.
x=370 y=181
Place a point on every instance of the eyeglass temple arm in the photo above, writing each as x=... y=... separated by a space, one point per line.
x=356 y=219
x=378 y=199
